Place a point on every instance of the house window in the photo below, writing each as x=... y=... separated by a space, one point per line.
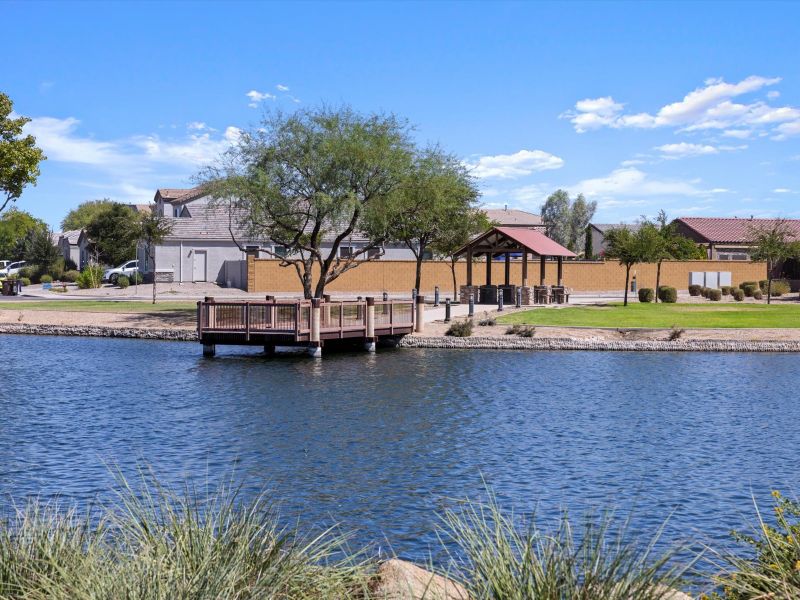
x=427 y=255
x=374 y=253
x=279 y=251
x=346 y=251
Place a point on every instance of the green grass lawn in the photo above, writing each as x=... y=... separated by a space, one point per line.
x=693 y=316
x=122 y=306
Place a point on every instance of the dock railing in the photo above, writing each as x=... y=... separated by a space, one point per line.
x=256 y=321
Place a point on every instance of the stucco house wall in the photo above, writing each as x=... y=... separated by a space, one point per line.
x=198 y=260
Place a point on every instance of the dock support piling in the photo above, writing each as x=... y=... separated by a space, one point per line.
x=315 y=348
x=315 y=351
x=419 y=324
x=209 y=350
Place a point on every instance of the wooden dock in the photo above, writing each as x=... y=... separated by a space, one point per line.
x=304 y=323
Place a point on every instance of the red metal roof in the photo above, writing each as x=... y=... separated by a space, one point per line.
x=735 y=231
x=522 y=238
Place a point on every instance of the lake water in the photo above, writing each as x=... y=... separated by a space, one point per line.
x=379 y=443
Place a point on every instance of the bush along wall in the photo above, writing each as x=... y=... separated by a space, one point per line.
x=668 y=295
x=646 y=295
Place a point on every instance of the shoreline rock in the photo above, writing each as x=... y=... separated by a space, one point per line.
x=165 y=334
x=545 y=344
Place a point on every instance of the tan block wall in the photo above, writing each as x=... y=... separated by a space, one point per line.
x=397 y=276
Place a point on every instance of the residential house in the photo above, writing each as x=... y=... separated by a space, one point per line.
x=68 y=245
x=512 y=217
x=598 y=233
x=729 y=238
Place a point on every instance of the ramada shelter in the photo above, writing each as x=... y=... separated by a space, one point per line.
x=510 y=243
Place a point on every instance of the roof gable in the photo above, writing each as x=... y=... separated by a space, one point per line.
x=731 y=230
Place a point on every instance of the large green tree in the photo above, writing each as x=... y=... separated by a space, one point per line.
x=113 y=234
x=310 y=180
x=37 y=249
x=80 y=216
x=435 y=198
x=19 y=156
x=14 y=226
x=566 y=220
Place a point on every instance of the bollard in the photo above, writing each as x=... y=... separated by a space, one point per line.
x=385 y=296
x=436 y=296
x=519 y=297
x=499 y=300
x=414 y=295
x=471 y=305
x=419 y=323
x=447 y=310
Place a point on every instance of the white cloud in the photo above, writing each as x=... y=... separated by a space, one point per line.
x=58 y=139
x=719 y=191
x=197 y=126
x=773 y=94
x=509 y=166
x=632 y=182
x=781 y=191
x=257 y=97
x=632 y=162
x=707 y=107
x=282 y=88
x=683 y=150
x=740 y=134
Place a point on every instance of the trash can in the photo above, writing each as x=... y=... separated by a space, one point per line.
x=8 y=287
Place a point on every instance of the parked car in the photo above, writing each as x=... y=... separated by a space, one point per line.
x=126 y=268
x=4 y=264
x=12 y=268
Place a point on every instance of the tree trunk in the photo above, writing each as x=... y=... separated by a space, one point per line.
x=769 y=282
x=455 y=283
x=658 y=281
x=627 y=282
x=418 y=276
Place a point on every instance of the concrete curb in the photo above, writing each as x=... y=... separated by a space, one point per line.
x=177 y=335
x=511 y=343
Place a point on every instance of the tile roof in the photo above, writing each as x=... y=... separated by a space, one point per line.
x=515 y=238
x=171 y=193
x=141 y=208
x=733 y=230
x=512 y=217
x=208 y=223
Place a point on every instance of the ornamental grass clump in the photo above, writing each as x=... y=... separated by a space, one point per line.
x=91 y=277
x=521 y=330
x=460 y=329
x=153 y=544
x=123 y=281
x=771 y=568
x=778 y=288
x=503 y=557
x=487 y=321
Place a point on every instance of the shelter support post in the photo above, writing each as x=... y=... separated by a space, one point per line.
x=525 y=269
x=488 y=268
x=560 y=271
x=469 y=268
x=542 y=267
x=508 y=268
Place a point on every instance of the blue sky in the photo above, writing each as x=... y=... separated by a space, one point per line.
x=693 y=108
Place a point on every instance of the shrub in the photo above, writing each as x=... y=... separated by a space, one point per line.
x=123 y=281
x=744 y=283
x=779 y=287
x=772 y=569
x=460 y=329
x=726 y=290
x=646 y=294
x=704 y=292
x=757 y=295
x=46 y=279
x=762 y=284
x=487 y=321
x=694 y=289
x=71 y=275
x=667 y=294
x=91 y=277
x=521 y=330
x=749 y=289
x=25 y=280
x=30 y=271
x=57 y=269
x=715 y=295
x=738 y=294
x=136 y=278
x=675 y=333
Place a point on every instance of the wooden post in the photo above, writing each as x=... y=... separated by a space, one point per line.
x=508 y=268
x=326 y=317
x=541 y=270
x=419 y=324
x=560 y=271
x=469 y=268
x=369 y=345
x=315 y=349
x=488 y=268
x=525 y=269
